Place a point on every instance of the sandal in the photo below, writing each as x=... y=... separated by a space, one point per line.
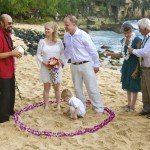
x=126 y=108
x=132 y=109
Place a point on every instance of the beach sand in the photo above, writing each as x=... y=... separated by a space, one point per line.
x=127 y=131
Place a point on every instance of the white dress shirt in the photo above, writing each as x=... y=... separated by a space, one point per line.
x=79 y=47
x=75 y=102
x=144 y=52
x=46 y=51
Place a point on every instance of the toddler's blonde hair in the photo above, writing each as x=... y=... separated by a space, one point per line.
x=66 y=93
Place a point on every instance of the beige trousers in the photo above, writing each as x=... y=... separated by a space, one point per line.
x=84 y=73
x=146 y=89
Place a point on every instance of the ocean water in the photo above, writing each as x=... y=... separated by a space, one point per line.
x=108 y=38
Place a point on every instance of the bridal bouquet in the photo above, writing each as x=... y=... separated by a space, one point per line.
x=54 y=65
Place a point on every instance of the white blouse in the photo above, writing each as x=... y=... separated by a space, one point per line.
x=144 y=52
x=46 y=51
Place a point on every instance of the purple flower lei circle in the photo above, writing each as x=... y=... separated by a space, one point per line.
x=24 y=127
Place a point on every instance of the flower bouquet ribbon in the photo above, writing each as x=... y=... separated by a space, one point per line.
x=46 y=133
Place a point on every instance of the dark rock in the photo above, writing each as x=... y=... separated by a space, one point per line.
x=30 y=37
x=105 y=47
x=109 y=50
x=111 y=27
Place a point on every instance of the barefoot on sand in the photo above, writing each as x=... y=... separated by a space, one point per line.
x=98 y=114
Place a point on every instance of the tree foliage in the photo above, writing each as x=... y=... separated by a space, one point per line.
x=33 y=9
x=26 y=8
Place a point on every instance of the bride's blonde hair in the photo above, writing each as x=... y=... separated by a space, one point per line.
x=54 y=26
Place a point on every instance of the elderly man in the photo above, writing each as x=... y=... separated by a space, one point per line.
x=7 y=77
x=84 y=62
x=144 y=53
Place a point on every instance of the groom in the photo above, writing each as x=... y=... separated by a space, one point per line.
x=84 y=62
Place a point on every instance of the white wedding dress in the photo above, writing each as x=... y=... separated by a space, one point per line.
x=44 y=53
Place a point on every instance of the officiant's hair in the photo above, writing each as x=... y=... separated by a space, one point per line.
x=126 y=27
x=3 y=17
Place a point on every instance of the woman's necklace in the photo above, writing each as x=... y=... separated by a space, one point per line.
x=49 y=41
x=125 y=46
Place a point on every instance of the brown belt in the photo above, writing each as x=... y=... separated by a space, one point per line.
x=79 y=63
x=145 y=67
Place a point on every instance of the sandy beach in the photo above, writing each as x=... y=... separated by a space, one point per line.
x=127 y=131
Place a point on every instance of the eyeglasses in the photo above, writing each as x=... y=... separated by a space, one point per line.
x=10 y=23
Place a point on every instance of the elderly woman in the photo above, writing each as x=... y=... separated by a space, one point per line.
x=130 y=76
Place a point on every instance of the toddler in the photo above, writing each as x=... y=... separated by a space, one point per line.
x=77 y=108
